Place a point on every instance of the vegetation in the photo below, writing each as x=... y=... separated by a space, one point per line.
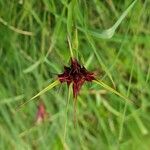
x=110 y=38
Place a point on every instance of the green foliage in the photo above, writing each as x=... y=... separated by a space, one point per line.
x=108 y=37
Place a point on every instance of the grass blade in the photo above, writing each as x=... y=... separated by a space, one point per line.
x=11 y=99
x=49 y=87
x=66 y=112
x=112 y=90
x=99 y=58
x=15 y=29
x=107 y=34
x=32 y=67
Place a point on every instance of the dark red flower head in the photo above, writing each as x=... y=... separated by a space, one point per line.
x=77 y=75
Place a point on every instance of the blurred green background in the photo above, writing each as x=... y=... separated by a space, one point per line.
x=34 y=49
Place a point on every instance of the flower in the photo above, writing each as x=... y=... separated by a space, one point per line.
x=77 y=75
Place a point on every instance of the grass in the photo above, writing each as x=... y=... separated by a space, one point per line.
x=33 y=50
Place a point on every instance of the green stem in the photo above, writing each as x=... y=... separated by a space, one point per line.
x=70 y=47
x=66 y=120
x=75 y=111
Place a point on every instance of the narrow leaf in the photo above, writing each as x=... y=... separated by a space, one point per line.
x=11 y=99
x=108 y=33
x=112 y=90
x=15 y=29
x=49 y=87
x=69 y=18
x=32 y=67
x=67 y=108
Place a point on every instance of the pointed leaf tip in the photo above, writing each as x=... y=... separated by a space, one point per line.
x=112 y=90
x=49 y=87
x=108 y=33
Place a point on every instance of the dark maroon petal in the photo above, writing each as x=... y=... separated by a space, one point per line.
x=77 y=75
x=90 y=76
x=77 y=86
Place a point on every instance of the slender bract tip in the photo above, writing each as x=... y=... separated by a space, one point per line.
x=99 y=82
x=49 y=87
